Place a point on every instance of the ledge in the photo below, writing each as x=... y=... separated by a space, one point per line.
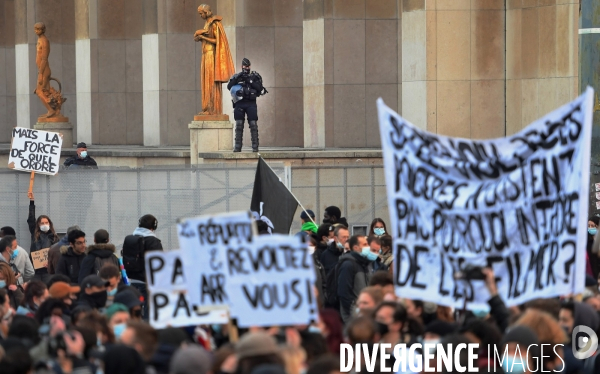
x=122 y=151
x=294 y=153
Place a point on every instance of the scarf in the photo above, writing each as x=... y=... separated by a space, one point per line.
x=309 y=226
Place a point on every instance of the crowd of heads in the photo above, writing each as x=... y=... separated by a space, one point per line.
x=50 y=323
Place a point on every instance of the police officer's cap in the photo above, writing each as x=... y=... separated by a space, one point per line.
x=246 y=62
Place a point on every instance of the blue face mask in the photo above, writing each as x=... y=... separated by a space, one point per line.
x=513 y=365
x=2 y=284
x=379 y=231
x=340 y=245
x=592 y=231
x=366 y=252
x=118 y=330
x=481 y=313
x=314 y=329
x=83 y=154
x=112 y=292
x=14 y=254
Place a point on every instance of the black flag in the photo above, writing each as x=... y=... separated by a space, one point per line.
x=271 y=199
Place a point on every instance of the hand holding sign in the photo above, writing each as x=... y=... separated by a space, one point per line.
x=35 y=151
x=40 y=258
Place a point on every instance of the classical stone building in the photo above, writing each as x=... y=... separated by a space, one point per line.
x=129 y=68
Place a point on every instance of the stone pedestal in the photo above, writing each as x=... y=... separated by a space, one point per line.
x=210 y=136
x=63 y=128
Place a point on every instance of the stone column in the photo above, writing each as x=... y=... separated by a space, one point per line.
x=8 y=112
x=86 y=35
x=25 y=69
x=589 y=61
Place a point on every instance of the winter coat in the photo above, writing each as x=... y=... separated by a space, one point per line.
x=54 y=254
x=69 y=263
x=104 y=252
x=387 y=258
x=321 y=278
x=330 y=257
x=353 y=277
x=23 y=265
x=45 y=240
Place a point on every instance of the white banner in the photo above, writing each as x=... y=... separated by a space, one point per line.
x=168 y=297
x=35 y=150
x=270 y=282
x=517 y=204
x=204 y=242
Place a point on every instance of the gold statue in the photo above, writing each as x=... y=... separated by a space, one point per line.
x=50 y=98
x=217 y=65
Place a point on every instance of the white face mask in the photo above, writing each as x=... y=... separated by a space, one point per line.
x=45 y=228
x=329 y=241
x=311 y=249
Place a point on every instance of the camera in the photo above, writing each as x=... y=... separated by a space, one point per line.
x=470 y=272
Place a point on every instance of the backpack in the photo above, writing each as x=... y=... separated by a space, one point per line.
x=133 y=254
x=331 y=294
x=100 y=262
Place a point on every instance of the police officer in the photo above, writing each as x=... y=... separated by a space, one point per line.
x=82 y=158
x=245 y=87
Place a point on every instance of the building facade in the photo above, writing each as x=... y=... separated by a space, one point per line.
x=130 y=68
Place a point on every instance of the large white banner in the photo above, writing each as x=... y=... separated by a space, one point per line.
x=517 y=204
x=270 y=282
x=204 y=242
x=168 y=298
x=35 y=150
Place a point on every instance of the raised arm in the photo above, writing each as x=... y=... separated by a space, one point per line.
x=31 y=217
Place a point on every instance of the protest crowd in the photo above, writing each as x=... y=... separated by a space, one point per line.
x=76 y=314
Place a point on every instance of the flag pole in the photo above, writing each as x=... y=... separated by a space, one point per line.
x=290 y=191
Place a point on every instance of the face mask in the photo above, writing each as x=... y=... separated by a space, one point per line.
x=216 y=328
x=45 y=228
x=14 y=254
x=137 y=313
x=314 y=329
x=2 y=284
x=513 y=365
x=592 y=231
x=311 y=249
x=118 y=330
x=357 y=311
x=112 y=292
x=382 y=328
x=329 y=241
x=366 y=253
x=340 y=246
x=246 y=69
x=379 y=231
x=99 y=299
x=83 y=154
x=326 y=220
x=481 y=313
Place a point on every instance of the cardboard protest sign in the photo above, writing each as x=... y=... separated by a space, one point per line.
x=35 y=150
x=516 y=204
x=204 y=242
x=168 y=298
x=270 y=282
x=40 y=258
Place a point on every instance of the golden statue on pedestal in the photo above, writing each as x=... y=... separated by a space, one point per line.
x=217 y=65
x=50 y=98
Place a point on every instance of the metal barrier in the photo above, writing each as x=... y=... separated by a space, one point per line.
x=114 y=199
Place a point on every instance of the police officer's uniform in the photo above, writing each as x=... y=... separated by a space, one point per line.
x=245 y=87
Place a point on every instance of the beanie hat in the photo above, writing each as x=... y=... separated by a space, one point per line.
x=256 y=344
x=114 y=308
x=246 y=62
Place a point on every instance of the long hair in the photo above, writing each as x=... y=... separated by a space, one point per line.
x=36 y=235
x=376 y=220
x=7 y=274
x=335 y=337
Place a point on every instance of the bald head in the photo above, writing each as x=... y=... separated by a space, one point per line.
x=40 y=26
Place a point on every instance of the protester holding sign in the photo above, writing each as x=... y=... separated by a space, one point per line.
x=43 y=236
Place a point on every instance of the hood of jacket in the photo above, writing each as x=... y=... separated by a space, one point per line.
x=101 y=250
x=68 y=251
x=142 y=231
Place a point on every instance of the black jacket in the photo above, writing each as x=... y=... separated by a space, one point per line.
x=45 y=240
x=320 y=280
x=69 y=263
x=251 y=83
x=106 y=254
x=330 y=257
x=76 y=160
x=151 y=243
x=353 y=277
